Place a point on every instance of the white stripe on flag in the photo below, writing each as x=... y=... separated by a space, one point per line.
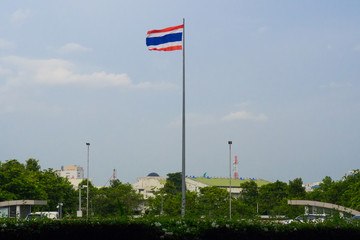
x=165 y=33
x=169 y=44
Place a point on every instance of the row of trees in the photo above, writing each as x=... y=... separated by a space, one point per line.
x=270 y=199
x=28 y=181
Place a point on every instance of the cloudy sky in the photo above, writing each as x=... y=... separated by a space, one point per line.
x=278 y=78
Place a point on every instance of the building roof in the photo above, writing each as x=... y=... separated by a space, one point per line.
x=225 y=182
x=23 y=202
x=153 y=174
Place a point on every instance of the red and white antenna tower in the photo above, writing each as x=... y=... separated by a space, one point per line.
x=235 y=169
x=113 y=176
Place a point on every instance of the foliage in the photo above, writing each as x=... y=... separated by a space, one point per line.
x=249 y=193
x=27 y=181
x=344 y=192
x=177 y=228
x=116 y=200
x=173 y=183
x=214 y=201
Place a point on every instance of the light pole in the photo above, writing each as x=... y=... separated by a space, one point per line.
x=87 y=181
x=60 y=210
x=230 y=142
x=162 y=204
x=79 y=213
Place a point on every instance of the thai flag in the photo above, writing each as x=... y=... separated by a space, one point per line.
x=168 y=39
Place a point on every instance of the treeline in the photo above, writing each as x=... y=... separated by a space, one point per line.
x=270 y=199
x=27 y=181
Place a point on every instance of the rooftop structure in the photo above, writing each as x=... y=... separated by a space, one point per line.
x=74 y=173
x=149 y=184
x=18 y=208
x=195 y=183
x=153 y=182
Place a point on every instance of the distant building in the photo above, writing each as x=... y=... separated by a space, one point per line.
x=18 y=209
x=312 y=186
x=153 y=182
x=73 y=173
x=149 y=184
x=195 y=183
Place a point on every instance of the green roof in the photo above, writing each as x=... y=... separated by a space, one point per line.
x=224 y=182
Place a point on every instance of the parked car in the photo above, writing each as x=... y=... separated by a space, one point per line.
x=307 y=218
x=39 y=215
x=35 y=216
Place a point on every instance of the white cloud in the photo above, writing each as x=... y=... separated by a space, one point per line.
x=6 y=45
x=243 y=115
x=73 y=47
x=20 y=16
x=21 y=71
x=57 y=72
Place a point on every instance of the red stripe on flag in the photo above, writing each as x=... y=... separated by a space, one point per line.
x=166 y=29
x=167 y=48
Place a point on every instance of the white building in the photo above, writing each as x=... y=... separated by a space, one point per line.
x=147 y=185
x=73 y=173
x=312 y=186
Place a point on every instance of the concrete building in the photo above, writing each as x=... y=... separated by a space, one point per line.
x=195 y=183
x=153 y=182
x=18 y=208
x=312 y=186
x=149 y=184
x=73 y=173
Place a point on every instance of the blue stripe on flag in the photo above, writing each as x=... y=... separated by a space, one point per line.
x=174 y=37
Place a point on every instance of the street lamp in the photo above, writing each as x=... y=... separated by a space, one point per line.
x=230 y=142
x=79 y=213
x=87 y=181
x=59 y=206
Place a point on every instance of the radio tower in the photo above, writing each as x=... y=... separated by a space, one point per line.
x=113 y=176
x=236 y=173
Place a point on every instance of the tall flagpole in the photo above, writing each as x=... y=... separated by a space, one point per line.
x=183 y=129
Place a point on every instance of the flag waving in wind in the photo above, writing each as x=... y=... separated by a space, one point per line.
x=168 y=39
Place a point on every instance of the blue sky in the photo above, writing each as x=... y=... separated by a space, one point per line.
x=278 y=78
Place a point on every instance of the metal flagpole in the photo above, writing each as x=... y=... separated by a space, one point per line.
x=183 y=128
x=230 y=142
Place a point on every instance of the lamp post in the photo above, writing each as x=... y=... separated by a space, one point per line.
x=230 y=142
x=79 y=212
x=59 y=206
x=87 y=181
x=162 y=204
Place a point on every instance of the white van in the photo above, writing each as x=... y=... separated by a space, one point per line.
x=38 y=215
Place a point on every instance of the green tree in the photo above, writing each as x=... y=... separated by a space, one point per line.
x=32 y=165
x=271 y=198
x=58 y=190
x=249 y=193
x=173 y=183
x=214 y=201
x=27 y=181
x=241 y=210
x=296 y=189
x=116 y=200
x=170 y=203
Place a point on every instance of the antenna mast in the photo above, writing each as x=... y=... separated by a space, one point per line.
x=235 y=169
